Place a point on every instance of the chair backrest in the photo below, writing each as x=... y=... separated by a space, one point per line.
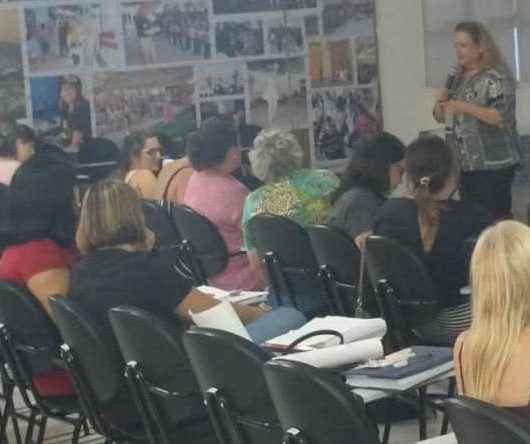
x=102 y=367
x=477 y=422
x=229 y=371
x=315 y=406
x=337 y=255
x=203 y=239
x=406 y=274
x=29 y=325
x=290 y=245
x=154 y=344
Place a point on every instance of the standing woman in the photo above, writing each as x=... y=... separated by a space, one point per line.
x=478 y=107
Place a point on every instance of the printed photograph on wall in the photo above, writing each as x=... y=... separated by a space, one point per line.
x=71 y=36
x=284 y=36
x=343 y=118
x=219 y=79
x=12 y=90
x=331 y=63
x=233 y=111
x=366 y=60
x=312 y=25
x=61 y=109
x=160 y=100
x=278 y=92
x=165 y=31
x=239 y=39
x=239 y=6
x=348 y=18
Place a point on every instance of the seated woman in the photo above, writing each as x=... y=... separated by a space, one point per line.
x=491 y=358
x=8 y=163
x=140 y=162
x=120 y=268
x=302 y=195
x=41 y=252
x=373 y=172
x=434 y=226
x=213 y=192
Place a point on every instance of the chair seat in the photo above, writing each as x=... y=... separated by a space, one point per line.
x=62 y=405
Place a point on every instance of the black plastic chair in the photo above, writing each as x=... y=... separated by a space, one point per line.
x=404 y=290
x=229 y=370
x=315 y=406
x=292 y=269
x=160 y=377
x=29 y=344
x=340 y=262
x=203 y=250
x=477 y=422
x=97 y=371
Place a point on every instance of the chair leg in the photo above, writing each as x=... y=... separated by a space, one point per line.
x=77 y=429
x=388 y=422
x=422 y=417
x=450 y=393
x=31 y=425
x=42 y=430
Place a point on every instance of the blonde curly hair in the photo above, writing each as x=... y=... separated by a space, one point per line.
x=276 y=154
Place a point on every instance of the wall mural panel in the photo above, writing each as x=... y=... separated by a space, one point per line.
x=167 y=65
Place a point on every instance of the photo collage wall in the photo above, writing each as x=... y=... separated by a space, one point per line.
x=167 y=65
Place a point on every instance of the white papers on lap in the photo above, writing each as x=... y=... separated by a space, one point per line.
x=359 y=351
x=241 y=297
x=352 y=329
x=222 y=317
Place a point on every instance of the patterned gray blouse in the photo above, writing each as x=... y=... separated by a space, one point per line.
x=481 y=146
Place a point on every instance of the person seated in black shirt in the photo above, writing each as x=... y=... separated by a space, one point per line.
x=435 y=227
x=119 y=266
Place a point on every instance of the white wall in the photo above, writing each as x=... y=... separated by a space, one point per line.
x=407 y=103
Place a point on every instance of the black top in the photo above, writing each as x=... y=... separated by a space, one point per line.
x=448 y=260
x=106 y=279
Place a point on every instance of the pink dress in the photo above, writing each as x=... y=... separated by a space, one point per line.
x=7 y=170
x=221 y=200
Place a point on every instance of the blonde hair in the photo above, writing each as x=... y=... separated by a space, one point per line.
x=111 y=215
x=500 y=279
x=276 y=154
x=492 y=57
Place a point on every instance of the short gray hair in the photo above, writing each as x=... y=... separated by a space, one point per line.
x=276 y=154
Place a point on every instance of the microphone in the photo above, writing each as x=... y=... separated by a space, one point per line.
x=449 y=83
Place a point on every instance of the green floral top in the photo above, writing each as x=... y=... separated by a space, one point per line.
x=304 y=196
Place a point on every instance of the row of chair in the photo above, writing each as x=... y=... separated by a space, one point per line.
x=250 y=399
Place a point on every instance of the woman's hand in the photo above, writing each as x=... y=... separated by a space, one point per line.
x=452 y=107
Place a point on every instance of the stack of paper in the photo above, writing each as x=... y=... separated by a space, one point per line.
x=352 y=329
x=338 y=355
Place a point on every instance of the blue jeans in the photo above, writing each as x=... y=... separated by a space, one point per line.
x=275 y=323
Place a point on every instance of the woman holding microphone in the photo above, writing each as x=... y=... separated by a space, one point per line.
x=478 y=108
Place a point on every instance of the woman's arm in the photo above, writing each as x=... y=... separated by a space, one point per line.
x=53 y=282
x=196 y=301
x=485 y=114
x=144 y=183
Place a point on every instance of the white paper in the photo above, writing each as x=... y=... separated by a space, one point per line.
x=338 y=355
x=240 y=297
x=352 y=329
x=222 y=317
